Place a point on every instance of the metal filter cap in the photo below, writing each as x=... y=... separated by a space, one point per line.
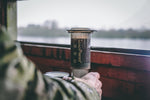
x=80 y=30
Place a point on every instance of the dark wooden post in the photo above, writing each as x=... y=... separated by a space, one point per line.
x=3 y=13
x=8 y=16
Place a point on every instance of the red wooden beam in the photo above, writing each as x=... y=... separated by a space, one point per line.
x=124 y=76
x=139 y=62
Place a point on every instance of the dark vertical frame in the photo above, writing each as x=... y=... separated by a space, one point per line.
x=3 y=13
x=8 y=16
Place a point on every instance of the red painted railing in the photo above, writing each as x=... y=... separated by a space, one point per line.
x=125 y=76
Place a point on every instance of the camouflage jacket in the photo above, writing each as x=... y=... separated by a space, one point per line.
x=20 y=80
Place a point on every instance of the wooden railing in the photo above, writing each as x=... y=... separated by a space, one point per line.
x=125 y=73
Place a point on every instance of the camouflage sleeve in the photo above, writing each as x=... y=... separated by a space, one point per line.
x=20 y=80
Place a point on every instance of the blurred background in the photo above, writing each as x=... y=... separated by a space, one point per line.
x=119 y=23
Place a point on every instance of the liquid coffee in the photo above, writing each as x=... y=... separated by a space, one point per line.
x=80 y=53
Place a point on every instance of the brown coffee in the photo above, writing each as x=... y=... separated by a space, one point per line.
x=80 y=53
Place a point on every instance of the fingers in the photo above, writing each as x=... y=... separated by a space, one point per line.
x=99 y=92
x=98 y=84
x=96 y=74
x=66 y=78
x=92 y=79
x=98 y=87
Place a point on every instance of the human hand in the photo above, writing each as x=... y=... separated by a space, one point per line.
x=92 y=79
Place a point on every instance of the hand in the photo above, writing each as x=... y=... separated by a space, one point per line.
x=92 y=79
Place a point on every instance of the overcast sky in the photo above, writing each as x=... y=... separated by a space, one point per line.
x=86 y=13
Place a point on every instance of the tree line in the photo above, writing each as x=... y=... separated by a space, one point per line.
x=54 y=31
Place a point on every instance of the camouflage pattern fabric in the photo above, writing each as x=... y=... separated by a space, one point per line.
x=20 y=80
